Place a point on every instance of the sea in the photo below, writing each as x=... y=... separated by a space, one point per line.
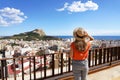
x=95 y=37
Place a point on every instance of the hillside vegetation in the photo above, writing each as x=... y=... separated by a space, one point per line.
x=36 y=34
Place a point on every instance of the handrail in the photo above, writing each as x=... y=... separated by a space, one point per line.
x=50 y=65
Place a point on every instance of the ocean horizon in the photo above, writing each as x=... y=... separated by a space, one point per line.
x=95 y=37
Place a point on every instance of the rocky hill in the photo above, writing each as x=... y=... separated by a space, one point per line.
x=39 y=31
x=37 y=34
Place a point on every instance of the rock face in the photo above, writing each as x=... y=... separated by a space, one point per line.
x=39 y=31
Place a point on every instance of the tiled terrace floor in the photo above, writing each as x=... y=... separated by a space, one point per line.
x=118 y=78
x=107 y=74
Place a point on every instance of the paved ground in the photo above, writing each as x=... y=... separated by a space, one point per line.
x=107 y=74
x=118 y=78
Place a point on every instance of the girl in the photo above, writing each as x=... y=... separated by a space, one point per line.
x=79 y=53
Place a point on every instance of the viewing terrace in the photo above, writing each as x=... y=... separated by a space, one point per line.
x=57 y=66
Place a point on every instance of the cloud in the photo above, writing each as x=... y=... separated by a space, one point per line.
x=78 y=6
x=10 y=16
x=65 y=6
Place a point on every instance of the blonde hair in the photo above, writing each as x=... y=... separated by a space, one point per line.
x=80 y=45
x=79 y=35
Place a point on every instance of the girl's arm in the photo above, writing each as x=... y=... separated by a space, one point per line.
x=71 y=53
x=91 y=38
x=87 y=35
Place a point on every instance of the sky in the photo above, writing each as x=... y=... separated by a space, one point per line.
x=60 y=17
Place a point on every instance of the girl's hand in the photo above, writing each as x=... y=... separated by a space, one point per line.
x=85 y=33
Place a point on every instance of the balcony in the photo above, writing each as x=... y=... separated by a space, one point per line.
x=55 y=66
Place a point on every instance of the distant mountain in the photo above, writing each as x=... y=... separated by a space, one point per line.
x=37 y=34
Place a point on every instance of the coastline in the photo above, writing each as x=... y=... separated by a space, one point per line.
x=95 y=37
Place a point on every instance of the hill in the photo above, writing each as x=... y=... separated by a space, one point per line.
x=37 y=34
